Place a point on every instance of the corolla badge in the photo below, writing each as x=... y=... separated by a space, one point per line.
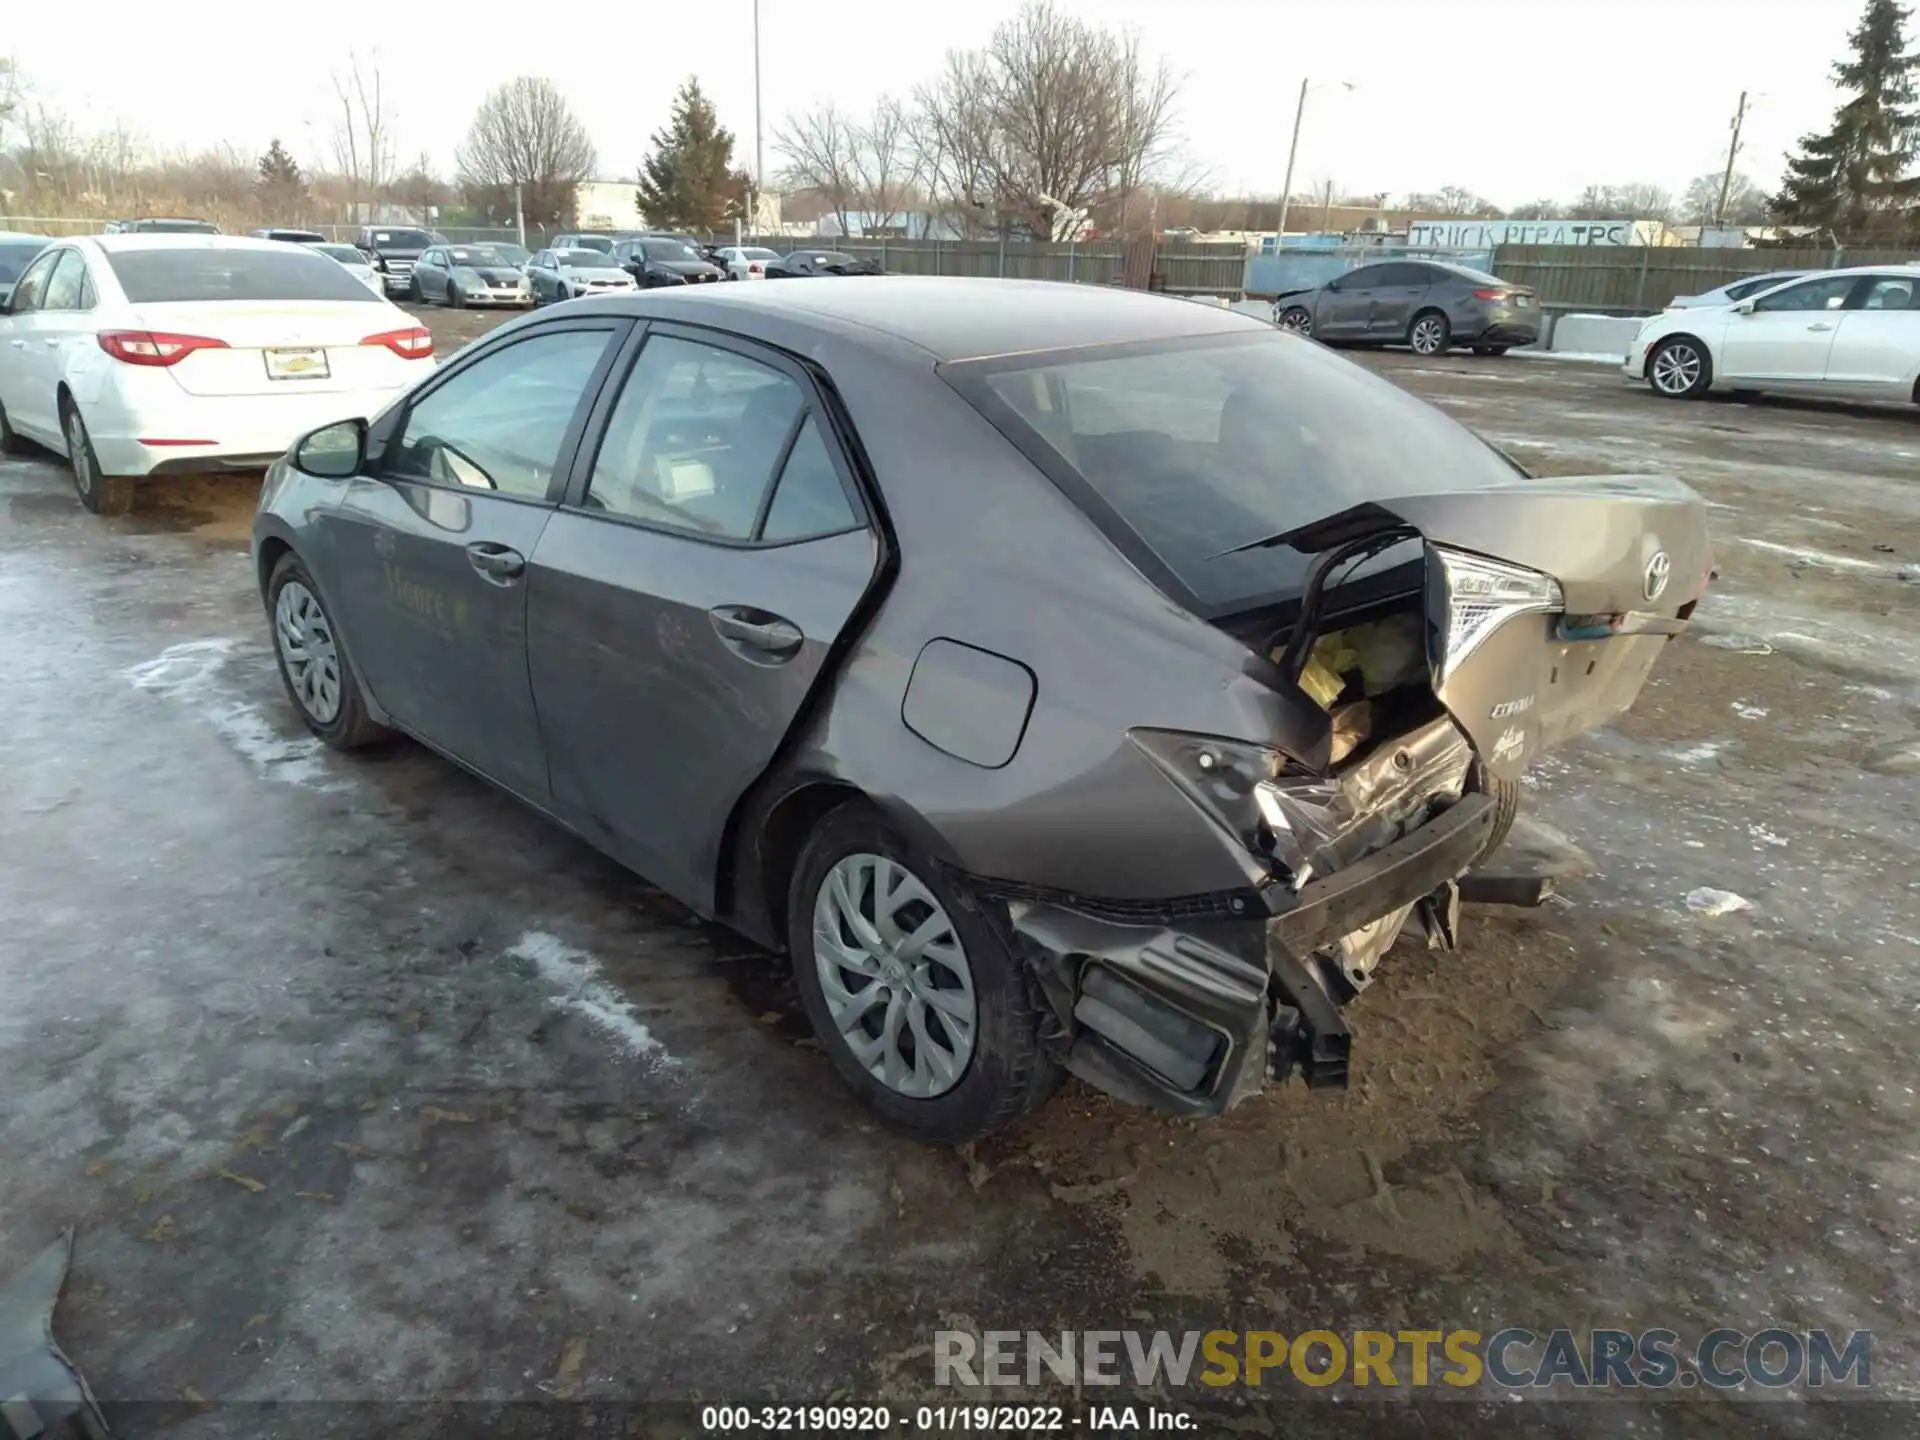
x=1654 y=582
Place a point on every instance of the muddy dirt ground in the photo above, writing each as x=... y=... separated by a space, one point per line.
x=358 y=1082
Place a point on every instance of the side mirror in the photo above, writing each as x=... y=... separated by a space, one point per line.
x=333 y=452
x=1745 y=307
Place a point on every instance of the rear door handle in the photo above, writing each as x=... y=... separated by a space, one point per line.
x=53 y=344
x=743 y=625
x=496 y=562
x=1819 y=325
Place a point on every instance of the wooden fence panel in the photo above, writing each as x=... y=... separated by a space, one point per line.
x=1646 y=277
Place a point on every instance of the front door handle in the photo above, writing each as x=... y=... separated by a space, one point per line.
x=1819 y=325
x=53 y=344
x=496 y=562
x=19 y=344
x=769 y=634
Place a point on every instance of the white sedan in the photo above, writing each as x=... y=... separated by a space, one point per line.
x=745 y=262
x=354 y=262
x=1852 y=334
x=152 y=355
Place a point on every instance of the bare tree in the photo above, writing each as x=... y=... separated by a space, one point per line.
x=525 y=134
x=1746 y=201
x=821 y=148
x=1054 y=118
x=10 y=88
x=362 y=129
x=1451 y=200
x=886 y=164
x=1622 y=202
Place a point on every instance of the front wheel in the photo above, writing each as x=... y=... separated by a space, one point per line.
x=1430 y=334
x=454 y=299
x=102 y=494
x=1296 y=318
x=920 y=1007
x=1680 y=369
x=313 y=663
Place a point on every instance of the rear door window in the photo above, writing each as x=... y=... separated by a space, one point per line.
x=152 y=277
x=1888 y=292
x=69 y=280
x=1829 y=292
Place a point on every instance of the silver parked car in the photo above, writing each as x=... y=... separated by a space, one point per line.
x=1427 y=305
x=459 y=275
x=977 y=643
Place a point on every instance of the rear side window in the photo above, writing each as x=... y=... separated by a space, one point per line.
x=14 y=255
x=1193 y=450
x=152 y=277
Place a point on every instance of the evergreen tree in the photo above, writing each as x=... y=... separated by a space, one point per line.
x=1853 y=179
x=689 y=182
x=281 y=187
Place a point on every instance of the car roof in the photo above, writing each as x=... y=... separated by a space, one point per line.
x=183 y=241
x=954 y=318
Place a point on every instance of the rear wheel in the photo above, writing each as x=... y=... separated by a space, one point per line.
x=415 y=293
x=1680 y=368
x=922 y=1010
x=1296 y=318
x=102 y=494
x=313 y=663
x=1430 y=334
x=1505 y=795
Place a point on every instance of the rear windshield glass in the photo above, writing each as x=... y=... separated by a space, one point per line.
x=14 y=255
x=151 y=277
x=1199 y=448
x=1478 y=277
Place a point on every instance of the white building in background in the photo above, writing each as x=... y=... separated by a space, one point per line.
x=906 y=225
x=608 y=205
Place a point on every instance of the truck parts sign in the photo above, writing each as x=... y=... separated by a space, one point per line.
x=1487 y=234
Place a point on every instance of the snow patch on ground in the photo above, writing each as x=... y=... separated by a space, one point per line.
x=1806 y=556
x=192 y=672
x=578 y=987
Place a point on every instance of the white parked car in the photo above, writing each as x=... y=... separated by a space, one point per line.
x=1852 y=334
x=564 y=274
x=354 y=262
x=1734 y=291
x=152 y=355
x=745 y=262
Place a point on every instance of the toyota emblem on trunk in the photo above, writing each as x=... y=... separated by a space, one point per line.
x=1656 y=576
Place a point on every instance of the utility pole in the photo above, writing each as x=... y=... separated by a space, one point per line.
x=759 y=172
x=1286 y=186
x=1733 y=151
x=519 y=215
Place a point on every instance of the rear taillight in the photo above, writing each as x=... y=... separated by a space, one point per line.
x=154 y=347
x=1490 y=294
x=412 y=344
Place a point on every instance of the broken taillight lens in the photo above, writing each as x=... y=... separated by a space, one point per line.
x=1222 y=777
x=1482 y=595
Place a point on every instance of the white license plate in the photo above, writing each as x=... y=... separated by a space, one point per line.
x=296 y=364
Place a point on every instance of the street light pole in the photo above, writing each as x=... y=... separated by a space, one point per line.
x=759 y=172
x=1286 y=186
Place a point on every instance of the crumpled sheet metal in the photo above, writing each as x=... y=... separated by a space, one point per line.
x=40 y=1389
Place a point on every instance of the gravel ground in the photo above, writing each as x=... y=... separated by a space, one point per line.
x=359 y=1082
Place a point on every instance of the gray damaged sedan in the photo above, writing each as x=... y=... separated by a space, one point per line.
x=1067 y=679
x=1427 y=305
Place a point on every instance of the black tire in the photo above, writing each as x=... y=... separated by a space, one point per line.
x=351 y=727
x=1493 y=350
x=1008 y=1072
x=1429 y=333
x=1296 y=318
x=1505 y=795
x=1680 y=368
x=102 y=494
x=414 y=293
x=453 y=298
x=11 y=441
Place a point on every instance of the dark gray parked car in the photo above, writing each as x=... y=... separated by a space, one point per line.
x=1429 y=305
x=1065 y=677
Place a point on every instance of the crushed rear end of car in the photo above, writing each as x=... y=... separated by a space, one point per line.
x=1432 y=635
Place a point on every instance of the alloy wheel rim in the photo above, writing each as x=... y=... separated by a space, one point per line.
x=1426 y=336
x=1298 y=321
x=1676 y=369
x=307 y=648
x=77 y=454
x=895 y=976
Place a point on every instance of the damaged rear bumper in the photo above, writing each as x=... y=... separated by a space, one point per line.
x=1193 y=1009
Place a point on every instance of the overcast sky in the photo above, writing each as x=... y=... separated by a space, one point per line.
x=1514 y=99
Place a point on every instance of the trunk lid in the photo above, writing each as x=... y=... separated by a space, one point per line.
x=312 y=346
x=1628 y=553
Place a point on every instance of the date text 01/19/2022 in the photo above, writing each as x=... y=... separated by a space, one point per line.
x=934 y=1419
